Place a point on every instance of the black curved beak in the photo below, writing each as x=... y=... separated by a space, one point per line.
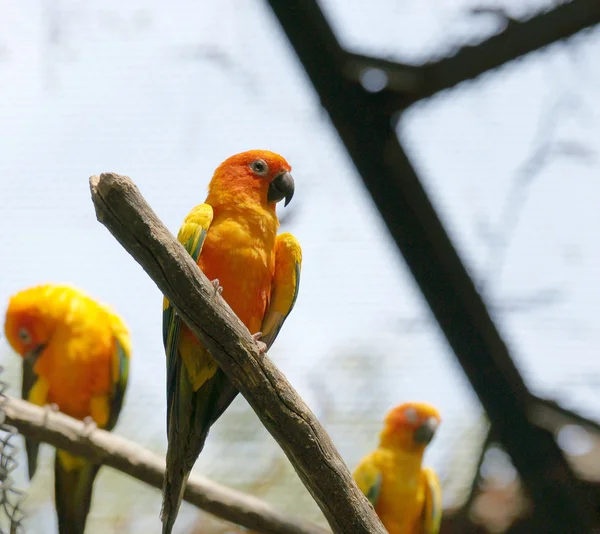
x=424 y=434
x=281 y=187
x=32 y=355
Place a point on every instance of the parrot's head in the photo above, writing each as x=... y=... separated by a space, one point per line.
x=411 y=426
x=26 y=326
x=256 y=177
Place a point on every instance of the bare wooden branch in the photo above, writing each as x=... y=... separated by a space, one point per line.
x=123 y=210
x=66 y=433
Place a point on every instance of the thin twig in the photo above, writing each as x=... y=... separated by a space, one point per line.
x=100 y=446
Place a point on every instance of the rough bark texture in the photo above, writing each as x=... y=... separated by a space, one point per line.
x=67 y=433
x=123 y=210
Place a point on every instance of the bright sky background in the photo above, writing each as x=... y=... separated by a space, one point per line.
x=163 y=92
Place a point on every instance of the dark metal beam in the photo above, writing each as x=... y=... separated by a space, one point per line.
x=409 y=83
x=365 y=126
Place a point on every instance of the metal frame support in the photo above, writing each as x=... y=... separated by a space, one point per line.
x=563 y=503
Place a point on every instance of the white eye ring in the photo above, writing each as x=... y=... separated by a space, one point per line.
x=259 y=167
x=24 y=336
x=411 y=415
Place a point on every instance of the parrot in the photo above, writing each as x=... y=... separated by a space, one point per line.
x=76 y=355
x=233 y=239
x=406 y=496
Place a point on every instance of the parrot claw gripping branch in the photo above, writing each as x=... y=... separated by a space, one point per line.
x=122 y=209
x=262 y=347
x=218 y=287
x=87 y=427
x=48 y=409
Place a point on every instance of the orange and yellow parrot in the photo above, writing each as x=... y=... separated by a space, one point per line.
x=406 y=496
x=233 y=239
x=75 y=356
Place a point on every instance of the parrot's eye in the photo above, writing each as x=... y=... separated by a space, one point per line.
x=259 y=167
x=24 y=336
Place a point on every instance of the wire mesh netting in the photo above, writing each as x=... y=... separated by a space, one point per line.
x=11 y=498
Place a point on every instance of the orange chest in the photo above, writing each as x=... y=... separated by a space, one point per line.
x=76 y=370
x=240 y=255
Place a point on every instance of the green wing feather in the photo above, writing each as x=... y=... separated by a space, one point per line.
x=120 y=378
x=191 y=235
x=432 y=510
x=73 y=493
x=368 y=479
x=374 y=491
x=284 y=288
x=188 y=411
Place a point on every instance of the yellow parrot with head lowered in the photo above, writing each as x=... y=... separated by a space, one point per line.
x=406 y=496
x=233 y=239
x=76 y=356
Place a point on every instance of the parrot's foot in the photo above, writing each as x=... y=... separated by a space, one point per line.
x=48 y=409
x=89 y=425
x=262 y=347
x=218 y=287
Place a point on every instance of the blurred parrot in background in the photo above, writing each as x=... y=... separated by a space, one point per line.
x=75 y=357
x=406 y=496
x=233 y=239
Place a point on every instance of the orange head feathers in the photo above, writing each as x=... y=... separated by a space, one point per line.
x=256 y=177
x=411 y=426
x=27 y=327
